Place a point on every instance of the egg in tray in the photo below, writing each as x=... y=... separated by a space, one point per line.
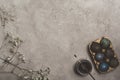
x=102 y=55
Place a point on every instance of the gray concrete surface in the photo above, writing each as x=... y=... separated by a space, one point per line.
x=54 y=30
x=8 y=76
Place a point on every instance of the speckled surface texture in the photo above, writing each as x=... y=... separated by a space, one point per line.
x=54 y=30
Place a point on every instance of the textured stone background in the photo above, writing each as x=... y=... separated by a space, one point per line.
x=54 y=30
